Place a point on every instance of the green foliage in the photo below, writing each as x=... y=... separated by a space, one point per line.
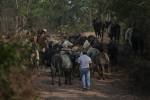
x=12 y=56
x=9 y=54
x=57 y=14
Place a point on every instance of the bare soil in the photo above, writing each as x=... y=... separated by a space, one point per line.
x=109 y=89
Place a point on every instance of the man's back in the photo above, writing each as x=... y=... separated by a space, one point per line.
x=84 y=61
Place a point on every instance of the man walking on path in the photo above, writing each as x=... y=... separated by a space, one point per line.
x=85 y=62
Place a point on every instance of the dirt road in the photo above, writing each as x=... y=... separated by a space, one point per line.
x=109 y=89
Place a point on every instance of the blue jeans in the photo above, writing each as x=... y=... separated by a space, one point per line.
x=85 y=75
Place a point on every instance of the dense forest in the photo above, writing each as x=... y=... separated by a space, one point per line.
x=63 y=16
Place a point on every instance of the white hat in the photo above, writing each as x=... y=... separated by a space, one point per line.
x=45 y=30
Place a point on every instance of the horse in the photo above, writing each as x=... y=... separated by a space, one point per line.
x=103 y=28
x=94 y=42
x=80 y=41
x=74 y=37
x=113 y=52
x=91 y=38
x=134 y=40
x=42 y=41
x=74 y=56
x=92 y=52
x=100 y=59
x=67 y=67
x=115 y=32
x=61 y=64
x=97 y=25
x=137 y=42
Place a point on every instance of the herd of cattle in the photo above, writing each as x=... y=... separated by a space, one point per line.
x=133 y=35
x=61 y=55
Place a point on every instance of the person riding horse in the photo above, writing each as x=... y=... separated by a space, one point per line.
x=42 y=37
x=35 y=53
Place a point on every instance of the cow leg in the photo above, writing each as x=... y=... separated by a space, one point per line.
x=103 y=70
x=99 y=71
x=102 y=35
x=93 y=69
x=97 y=34
x=59 y=80
x=69 y=76
x=52 y=75
x=65 y=74
x=75 y=70
x=109 y=69
x=59 y=76
x=106 y=30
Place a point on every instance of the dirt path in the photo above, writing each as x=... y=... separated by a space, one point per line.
x=110 y=89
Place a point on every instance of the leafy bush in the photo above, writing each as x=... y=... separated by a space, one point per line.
x=12 y=58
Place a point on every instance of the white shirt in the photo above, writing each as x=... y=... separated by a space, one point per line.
x=84 y=61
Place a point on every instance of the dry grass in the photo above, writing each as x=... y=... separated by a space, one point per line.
x=21 y=83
